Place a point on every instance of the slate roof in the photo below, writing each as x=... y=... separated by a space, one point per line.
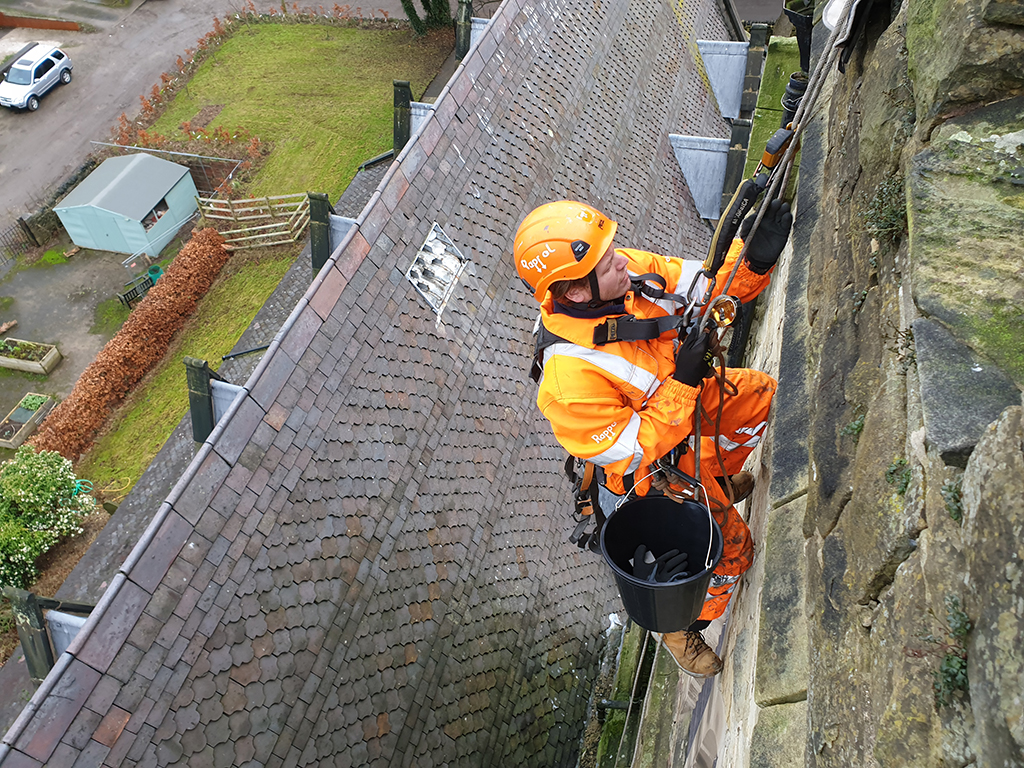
x=366 y=563
x=130 y=185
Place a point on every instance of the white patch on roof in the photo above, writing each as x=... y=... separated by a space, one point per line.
x=437 y=268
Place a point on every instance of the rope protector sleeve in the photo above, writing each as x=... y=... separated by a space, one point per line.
x=729 y=222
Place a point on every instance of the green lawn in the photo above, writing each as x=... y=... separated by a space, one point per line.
x=144 y=422
x=322 y=95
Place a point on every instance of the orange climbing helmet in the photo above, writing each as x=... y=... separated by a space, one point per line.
x=562 y=240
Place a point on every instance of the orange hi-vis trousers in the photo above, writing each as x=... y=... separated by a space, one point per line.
x=744 y=420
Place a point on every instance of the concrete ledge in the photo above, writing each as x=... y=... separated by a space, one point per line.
x=782 y=650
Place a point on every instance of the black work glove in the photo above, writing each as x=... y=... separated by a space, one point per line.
x=769 y=239
x=671 y=565
x=693 y=360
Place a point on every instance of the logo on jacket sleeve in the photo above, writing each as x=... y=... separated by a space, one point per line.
x=608 y=432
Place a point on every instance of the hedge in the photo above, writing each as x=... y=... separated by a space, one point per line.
x=142 y=342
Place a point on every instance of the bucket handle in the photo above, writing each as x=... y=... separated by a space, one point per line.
x=707 y=507
x=711 y=526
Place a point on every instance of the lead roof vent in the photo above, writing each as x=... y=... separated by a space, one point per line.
x=437 y=268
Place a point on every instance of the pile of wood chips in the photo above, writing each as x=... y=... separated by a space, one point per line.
x=142 y=341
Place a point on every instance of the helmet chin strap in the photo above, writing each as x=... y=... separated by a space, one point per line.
x=595 y=291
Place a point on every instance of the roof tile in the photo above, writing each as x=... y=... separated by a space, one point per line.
x=58 y=711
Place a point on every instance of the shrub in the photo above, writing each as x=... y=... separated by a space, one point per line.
x=885 y=216
x=854 y=428
x=952 y=494
x=951 y=675
x=38 y=507
x=32 y=402
x=436 y=13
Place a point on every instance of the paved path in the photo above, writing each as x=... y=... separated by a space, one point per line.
x=56 y=305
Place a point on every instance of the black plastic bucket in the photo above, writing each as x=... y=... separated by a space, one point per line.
x=661 y=524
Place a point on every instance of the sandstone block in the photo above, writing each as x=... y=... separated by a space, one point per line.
x=963 y=52
x=961 y=393
x=993 y=525
x=782 y=653
x=965 y=217
x=780 y=736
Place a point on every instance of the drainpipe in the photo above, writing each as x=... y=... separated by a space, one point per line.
x=31 y=632
x=320 y=210
x=463 y=29
x=200 y=397
x=403 y=114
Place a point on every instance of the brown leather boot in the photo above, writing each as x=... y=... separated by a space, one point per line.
x=742 y=486
x=692 y=654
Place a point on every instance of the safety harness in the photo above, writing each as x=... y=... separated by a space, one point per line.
x=621 y=328
x=585 y=476
x=769 y=180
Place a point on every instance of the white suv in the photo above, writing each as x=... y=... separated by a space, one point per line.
x=35 y=72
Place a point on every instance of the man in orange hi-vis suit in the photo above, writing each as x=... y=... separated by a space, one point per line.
x=621 y=388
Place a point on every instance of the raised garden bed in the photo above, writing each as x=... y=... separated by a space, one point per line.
x=23 y=420
x=29 y=356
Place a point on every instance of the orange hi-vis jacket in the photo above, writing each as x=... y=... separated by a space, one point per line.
x=617 y=404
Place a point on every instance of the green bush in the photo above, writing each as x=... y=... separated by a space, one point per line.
x=951 y=675
x=854 y=428
x=38 y=507
x=32 y=402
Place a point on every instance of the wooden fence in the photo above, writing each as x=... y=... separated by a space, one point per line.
x=32 y=23
x=259 y=221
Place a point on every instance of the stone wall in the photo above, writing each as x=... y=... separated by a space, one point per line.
x=897 y=524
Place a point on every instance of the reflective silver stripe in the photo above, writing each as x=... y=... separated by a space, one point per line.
x=751 y=430
x=729 y=445
x=618 y=367
x=690 y=268
x=624 y=447
x=721 y=579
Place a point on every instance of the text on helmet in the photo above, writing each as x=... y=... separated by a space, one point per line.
x=537 y=262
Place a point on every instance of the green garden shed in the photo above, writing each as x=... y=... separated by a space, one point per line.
x=130 y=204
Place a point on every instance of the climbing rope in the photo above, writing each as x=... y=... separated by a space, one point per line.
x=781 y=180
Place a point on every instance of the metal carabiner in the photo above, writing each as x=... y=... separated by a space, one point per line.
x=707 y=294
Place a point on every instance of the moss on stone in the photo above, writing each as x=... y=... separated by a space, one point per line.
x=615 y=719
x=783 y=59
x=1001 y=336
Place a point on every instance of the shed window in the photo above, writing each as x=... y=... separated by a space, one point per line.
x=154 y=216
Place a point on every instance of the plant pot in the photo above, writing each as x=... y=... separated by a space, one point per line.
x=47 y=362
x=20 y=423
